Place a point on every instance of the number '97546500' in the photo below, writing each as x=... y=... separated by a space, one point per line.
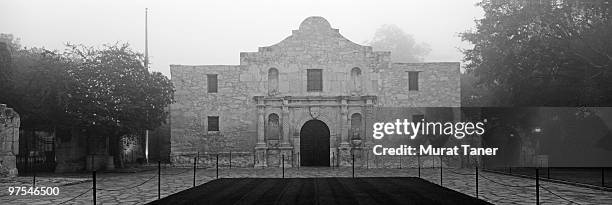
x=33 y=191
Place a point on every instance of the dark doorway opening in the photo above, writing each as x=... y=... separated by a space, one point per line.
x=314 y=144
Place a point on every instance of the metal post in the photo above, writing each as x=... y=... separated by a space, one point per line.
x=440 y=171
x=283 y=164
x=353 y=155
x=603 y=184
x=230 y=160
x=159 y=179
x=93 y=188
x=217 y=165
x=34 y=179
x=419 y=164
x=537 y=186
x=195 y=161
x=477 y=182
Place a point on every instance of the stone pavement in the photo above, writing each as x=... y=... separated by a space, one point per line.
x=139 y=188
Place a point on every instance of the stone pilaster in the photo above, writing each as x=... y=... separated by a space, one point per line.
x=285 y=147
x=260 y=147
x=286 y=124
x=368 y=117
x=344 y=150
x=344 y=123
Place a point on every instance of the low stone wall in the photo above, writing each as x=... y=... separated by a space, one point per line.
x=9 y=140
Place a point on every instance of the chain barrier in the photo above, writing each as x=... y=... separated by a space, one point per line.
x=205 y=178
x=551 y=192
x=540 y=186
x=73 y=198
x=178 y=173
x=464 y=174
x=508 y=185
x=144 y=182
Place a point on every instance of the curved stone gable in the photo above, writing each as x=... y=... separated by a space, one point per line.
x=316 y=42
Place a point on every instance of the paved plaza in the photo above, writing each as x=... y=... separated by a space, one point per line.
x=141 y=187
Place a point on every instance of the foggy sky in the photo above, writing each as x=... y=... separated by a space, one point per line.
x=215 y=32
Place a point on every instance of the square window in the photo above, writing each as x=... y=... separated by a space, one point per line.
x=213 y=123
x=413 y=80
x=314 y=80
x=212 y=83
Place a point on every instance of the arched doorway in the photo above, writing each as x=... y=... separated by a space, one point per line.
x=314 y=144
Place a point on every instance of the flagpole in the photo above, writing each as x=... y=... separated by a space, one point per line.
x=146 y=62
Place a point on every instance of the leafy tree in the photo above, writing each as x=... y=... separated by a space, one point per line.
x=37 y=88
x=402 y=45
x=5 y=65
x=474 y=94
x=8 y=44
x=113 y=90
x=105 y=91
x=547 y=53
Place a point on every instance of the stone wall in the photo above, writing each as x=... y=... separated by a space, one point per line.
x=9 y=140
x=244 y=91
x=439 y=85
x=237 y=115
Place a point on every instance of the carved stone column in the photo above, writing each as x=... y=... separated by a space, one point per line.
x=286 y=124
x=344 y=149
x=368 y=118
x=260 y=123
x=286 y=148
x=344 y=126
x=260 y=147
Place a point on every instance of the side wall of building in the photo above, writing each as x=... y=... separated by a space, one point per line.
x=189 y=115
x=439 y=85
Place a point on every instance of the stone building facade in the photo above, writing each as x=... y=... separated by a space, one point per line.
x=307 y=98
x=9 y=140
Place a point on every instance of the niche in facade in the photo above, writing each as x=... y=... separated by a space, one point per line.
x=272 y=81
x=356 y=80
